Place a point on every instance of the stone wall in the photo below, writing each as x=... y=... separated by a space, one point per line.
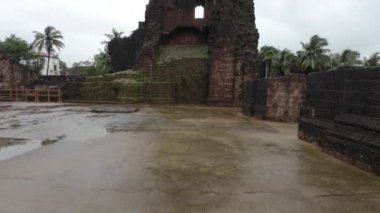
x=125 y=51
x=233 y=42
x=179 y=81
x=13 y=75
x=277 y=99
x=341 y=114
x=228 y=29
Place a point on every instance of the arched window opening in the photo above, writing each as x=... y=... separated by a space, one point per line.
x=199 y=12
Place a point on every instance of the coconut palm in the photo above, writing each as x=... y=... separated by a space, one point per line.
x=335 y=60
x=314 y=54
x=269 y=52
x=346 y=58
x=373 y=61
x=282 y=62
x=285 y=62
x=350 y=58
x=49 y=40
x=115 y=34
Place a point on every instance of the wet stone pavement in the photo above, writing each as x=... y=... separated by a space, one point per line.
x=167 y=159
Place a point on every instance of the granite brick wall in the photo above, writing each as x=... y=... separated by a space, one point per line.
x=341 y=114
x=13 y=75
x=277 y=99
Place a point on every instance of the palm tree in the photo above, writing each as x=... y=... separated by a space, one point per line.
x=350 y=58
x=102 y=62
x=285 y=62
x=335 y=60
x=49 y=40
x=269 y=55
x=346 y=58
x=269 y=52
x=115 y=34
x=314 y=54
x=373 y=61
x=280 y=62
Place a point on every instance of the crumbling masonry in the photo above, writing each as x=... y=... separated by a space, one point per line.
x=171 y=40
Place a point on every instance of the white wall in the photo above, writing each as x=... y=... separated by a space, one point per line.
x=54 y=63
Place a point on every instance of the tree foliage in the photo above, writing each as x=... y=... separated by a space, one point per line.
x=373 y=60
x=114 y=34
x=102 y=62
x=346 y=58
x=314 y=54
x=99 y=65
x=282 y=62
x=313 y=57
x=15 y=48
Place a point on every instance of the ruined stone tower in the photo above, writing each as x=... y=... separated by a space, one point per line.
x=223 y=41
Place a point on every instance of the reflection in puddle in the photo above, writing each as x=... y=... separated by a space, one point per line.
x=9 y=152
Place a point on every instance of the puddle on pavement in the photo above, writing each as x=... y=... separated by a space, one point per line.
x=10 y=148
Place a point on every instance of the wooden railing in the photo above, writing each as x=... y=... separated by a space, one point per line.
x=32 y=95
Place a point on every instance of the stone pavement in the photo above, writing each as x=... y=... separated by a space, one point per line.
x=170 y=159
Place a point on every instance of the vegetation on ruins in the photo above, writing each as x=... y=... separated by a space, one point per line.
x=100 y=64
x=49 y=40
x=83 y=68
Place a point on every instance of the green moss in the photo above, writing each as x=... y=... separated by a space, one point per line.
x=177 y=81
x=168 y=53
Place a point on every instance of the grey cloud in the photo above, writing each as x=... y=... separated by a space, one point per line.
x=345 y=23
x=282 y=23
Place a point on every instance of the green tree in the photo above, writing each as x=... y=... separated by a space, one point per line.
x=15 y=48
x=50 y=40
x=346 y=58
x=335 y=60
x=314 y=54
x=269 y=52
x=350 y=58
x=286 y=62
x=103 y=59
x=115 y=34
x=85 y=68
x=102 y=62
x=373 y=61
x=62 y=65
x=35 y=63
x=281 y=62
x=270 y=55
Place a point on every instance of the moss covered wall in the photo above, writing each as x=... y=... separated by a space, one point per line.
x=228 y=29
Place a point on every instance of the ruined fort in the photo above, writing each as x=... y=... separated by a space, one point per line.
x=205 y=60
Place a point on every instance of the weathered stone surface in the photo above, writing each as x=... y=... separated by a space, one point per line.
x=13 y=75
x=278 y=99
x=345 y=104
x=228 y=30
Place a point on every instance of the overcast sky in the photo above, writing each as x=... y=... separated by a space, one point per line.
x=281 y=23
